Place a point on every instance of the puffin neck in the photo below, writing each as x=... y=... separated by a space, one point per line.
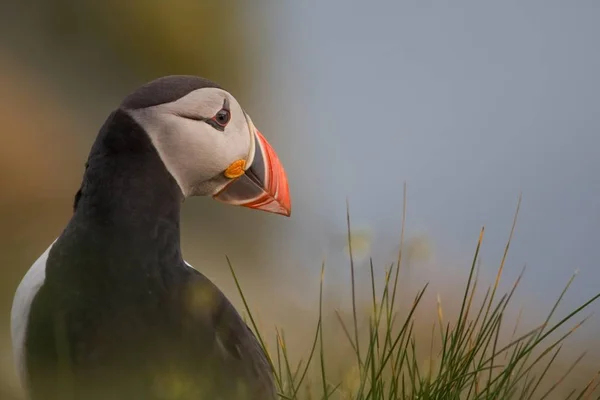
x=127 y=192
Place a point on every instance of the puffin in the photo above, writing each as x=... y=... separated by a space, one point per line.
x=111 y=310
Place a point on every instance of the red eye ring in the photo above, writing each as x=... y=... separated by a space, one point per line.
x=222 y=117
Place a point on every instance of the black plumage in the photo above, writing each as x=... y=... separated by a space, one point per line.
x=120 y=315
x=165 y=89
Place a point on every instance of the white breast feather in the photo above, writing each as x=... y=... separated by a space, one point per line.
x=24 y=295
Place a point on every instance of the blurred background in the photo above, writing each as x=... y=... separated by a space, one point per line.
x=469 y=104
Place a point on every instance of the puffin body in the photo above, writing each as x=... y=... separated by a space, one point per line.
x=111 y=310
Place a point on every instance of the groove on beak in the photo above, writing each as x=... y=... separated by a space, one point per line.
x=263 y=185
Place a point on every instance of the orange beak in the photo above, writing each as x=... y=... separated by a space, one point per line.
x=263 y=185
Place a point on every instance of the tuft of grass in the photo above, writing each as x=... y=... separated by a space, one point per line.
x=466 y=358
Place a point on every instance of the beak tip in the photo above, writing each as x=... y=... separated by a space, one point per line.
x=284 y=205
x=285 y=201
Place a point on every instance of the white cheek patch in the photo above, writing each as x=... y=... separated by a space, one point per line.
x=252 y=147
x=156 y=130
x=193 y=151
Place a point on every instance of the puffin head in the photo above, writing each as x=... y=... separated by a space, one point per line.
x=209 y=144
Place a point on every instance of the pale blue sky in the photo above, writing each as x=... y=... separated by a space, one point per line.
x=470 y=103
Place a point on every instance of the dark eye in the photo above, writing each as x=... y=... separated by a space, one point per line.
x=222 y=117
